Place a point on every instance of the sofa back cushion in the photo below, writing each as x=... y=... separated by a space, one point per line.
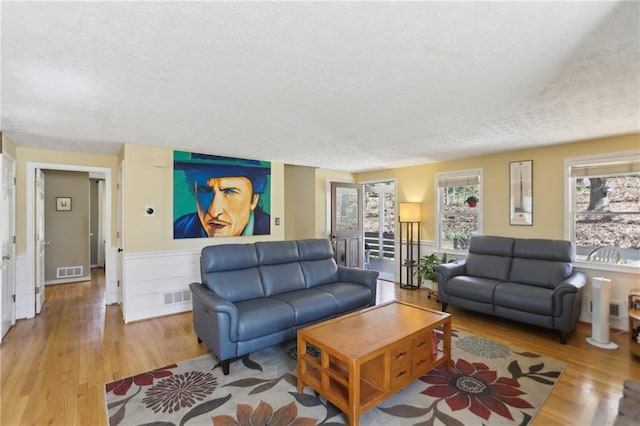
x=532 y=248
x=231 y=271
x=318 y=264
x=487 y=244
x=490 y=257
x=280 y=269
x=543 y=263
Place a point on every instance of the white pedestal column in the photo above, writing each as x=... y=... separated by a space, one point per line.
x=601 y=297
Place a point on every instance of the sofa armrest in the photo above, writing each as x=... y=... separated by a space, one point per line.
x=568 y=294
x=577 y=280
x=363 y=277
x=445 y=272
x=219 y=307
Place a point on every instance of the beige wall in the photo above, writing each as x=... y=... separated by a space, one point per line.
x=24 y=155
x=67 y=232
x=148 y=181
x=150 y=185
x=300 y=202
x=417 y=184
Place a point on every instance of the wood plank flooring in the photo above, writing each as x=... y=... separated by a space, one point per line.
x=54 y=366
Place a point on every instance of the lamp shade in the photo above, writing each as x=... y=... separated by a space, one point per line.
x=410 y=212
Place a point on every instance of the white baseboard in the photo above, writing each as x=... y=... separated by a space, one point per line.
x=67 y=280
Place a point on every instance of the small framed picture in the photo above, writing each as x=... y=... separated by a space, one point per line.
x=63 y=204
x=521 y=192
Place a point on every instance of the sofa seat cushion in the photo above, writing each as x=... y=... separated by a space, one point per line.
x=265 y=315
x=310 y=305
x=474 y=288
x=527 y=298
x=349 y=296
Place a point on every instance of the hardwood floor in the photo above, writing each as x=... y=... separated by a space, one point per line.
x=54 y=366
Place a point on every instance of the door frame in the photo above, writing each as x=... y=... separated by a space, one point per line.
x=29 y=304
x=99 y=234
x=39 y=243
x=119 y=252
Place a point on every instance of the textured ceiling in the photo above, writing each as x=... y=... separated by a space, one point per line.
x=348 y=86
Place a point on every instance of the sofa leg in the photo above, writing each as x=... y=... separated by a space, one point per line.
x=563 y=337
x=225 y=367
x=444 y=307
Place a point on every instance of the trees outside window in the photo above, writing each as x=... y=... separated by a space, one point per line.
x=458 y=219
x=605 y=207
x=379 y=219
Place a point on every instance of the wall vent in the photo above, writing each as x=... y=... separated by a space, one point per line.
x=70 y=272
x=615 y=310
x=177 y=297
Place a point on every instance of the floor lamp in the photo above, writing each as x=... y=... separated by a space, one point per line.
x=409 y=217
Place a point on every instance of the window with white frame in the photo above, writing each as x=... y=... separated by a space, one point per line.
x=604 y=205
x=458 y=218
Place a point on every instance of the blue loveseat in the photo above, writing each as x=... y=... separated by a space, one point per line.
x=257 y=295
x=528 y=280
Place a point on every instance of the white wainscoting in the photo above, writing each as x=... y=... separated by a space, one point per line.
x=148 y=278
x=111 y=274
x=24 y=289
x=622 y=281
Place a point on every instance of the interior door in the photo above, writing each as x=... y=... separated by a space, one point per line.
x=119 y=226
x=41 y=243
x=347 y=231
x=8 y=246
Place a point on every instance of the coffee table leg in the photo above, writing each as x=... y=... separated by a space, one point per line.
x=354 y=393
x=302 y=366
x=447 y=344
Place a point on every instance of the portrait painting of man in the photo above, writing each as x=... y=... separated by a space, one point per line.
x=215 y=196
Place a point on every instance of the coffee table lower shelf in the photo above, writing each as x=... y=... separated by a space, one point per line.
x=337 y=390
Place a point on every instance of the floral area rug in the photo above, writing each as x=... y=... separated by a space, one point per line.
x=490 y=384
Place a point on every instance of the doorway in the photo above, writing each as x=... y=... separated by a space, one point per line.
x=379 y=227
x=71 y=229
x=28 y=304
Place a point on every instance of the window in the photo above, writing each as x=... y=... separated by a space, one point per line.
x=458 y=220
x=604 y=206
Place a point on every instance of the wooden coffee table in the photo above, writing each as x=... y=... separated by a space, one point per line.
x=369 y=355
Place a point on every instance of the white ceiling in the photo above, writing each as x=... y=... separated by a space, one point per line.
x=348 y=86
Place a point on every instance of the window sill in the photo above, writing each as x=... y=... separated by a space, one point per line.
x=596 y=266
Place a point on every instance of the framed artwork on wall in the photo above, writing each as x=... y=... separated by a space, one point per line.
x=521 y=192
x=215 y=196
x=63 y=204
